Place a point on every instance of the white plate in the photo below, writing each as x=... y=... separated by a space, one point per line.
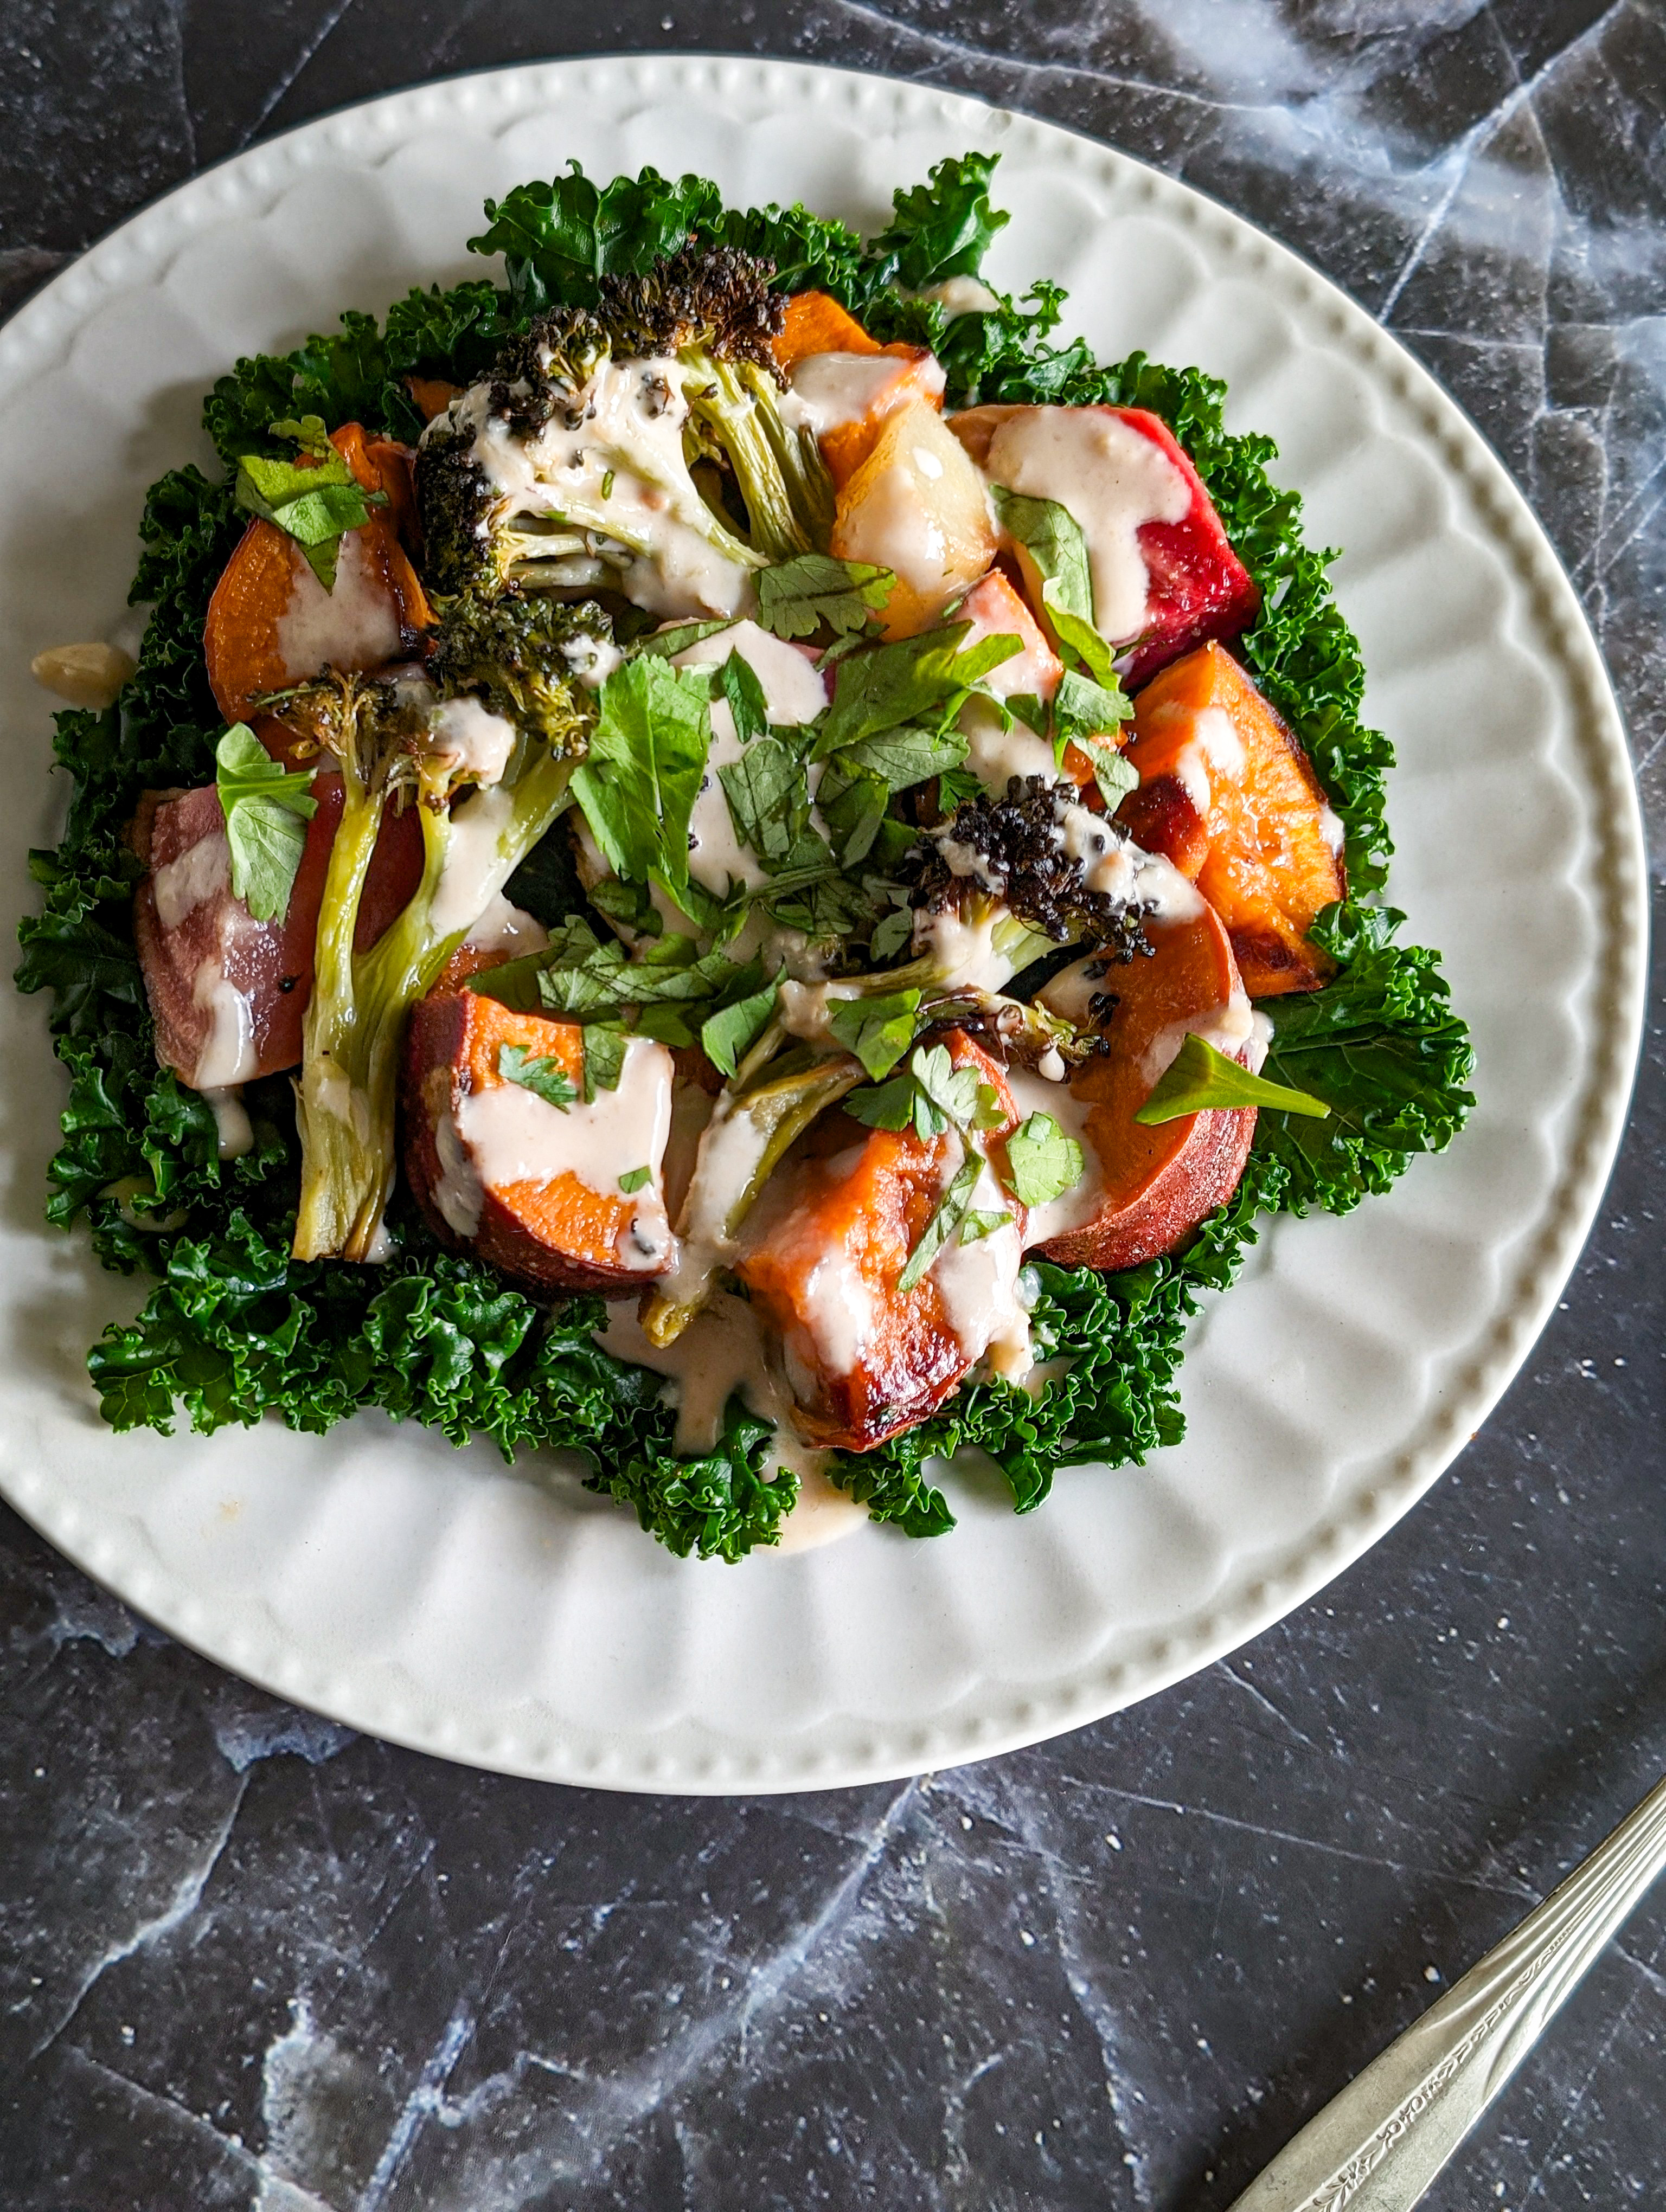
x=436 y=1599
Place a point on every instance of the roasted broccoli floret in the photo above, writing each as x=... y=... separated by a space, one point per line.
x=1007 y=879
x=572 y=463
x=388 y=737
x=520 y=652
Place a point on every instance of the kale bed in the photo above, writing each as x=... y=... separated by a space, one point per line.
x=237 y=1328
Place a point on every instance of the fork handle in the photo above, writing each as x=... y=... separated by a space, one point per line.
x=1378 y=2146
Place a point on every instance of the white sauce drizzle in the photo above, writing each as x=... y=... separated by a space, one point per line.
x=231 y=1122
x=833 y=389
x=201 y=872
x=961 y=296
x=228 y=1057
x=978 y=1283
x=591 y=659
x=993 y=755
x=355 y=626
x=476 y=866
x=466 y=738
x=1112 y=478
x=1075 y=1207
x=501 y=927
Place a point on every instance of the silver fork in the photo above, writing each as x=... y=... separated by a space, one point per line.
x=1378 y=2146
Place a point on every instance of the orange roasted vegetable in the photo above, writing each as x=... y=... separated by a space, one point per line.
x=500 y=1170
x=916 y=506
x=826 y=1248
x=816 y=323
x=1146 y=1189
x=270 y=622
x=862 y=383
x=431 y=395
x=1227 y=795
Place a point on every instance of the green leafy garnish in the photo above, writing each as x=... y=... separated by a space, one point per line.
x=544 y=1077
x=1199 y=1079
x=1042 y=1162
x=267 y=808
x=974 y=1226
x=950 y=1211
x=604 y=1059
x=878 y=1030
x=1053 y=540
x=933 y=1094
x=728 y=1036
x=1113 y=771
x=738 y=681
x=814 y=592
x=923 y=679
x=647 y=754
x=635 y=1179
x=315 y=505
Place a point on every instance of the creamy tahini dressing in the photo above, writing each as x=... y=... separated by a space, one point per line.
x=794 y=693
x=468 y=739
x=721 y=1351
x=833 y=389
x=355 y=626
x=228 y=1056
x=1230 y=1027
x=961 y=296
x=201 y=872
x=1112 y=478
x=477 y=861
x=233 y=1131
x=507 y=1134
x=502 y=927
x=964 y=951
x=978 y=1283
x=993 y=755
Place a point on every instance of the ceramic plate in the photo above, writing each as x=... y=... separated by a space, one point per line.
x=512 y=1620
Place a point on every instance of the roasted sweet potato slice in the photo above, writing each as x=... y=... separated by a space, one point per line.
x=1197 y=587
x=816 y=323
x=431 y=395
x=1227 y=794
x=826 y=1250
x=270 y=622
x=1146 y=1189
x=499 y=1169
x=916 y=506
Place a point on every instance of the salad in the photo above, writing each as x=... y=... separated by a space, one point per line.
x=725 y=856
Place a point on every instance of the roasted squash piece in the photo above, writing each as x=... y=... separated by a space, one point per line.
x=916 y=506
x=826 y=1248
x=1146 y=1189
x=1227 y=795
x=816 y=323
x=270 y=622
x=498 y=1168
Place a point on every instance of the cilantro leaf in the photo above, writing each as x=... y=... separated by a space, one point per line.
x=666 y=644
x=950 y=1213
x=958 y=1095
x=266 y=808
x=635 y=1179
x=814 y=592
x=604 y=1057
x=1113 y=771
x=1198 y=1079
x=1042 y=1162
x=1053 y=539
x=639 y=782
x=887 y=1105
x=545 y=1078
x=878 y=1030
x=974 y=1226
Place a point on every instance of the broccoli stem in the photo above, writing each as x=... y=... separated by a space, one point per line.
x=347 y=1098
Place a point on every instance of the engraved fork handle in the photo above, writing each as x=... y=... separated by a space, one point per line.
x=1378 y=2146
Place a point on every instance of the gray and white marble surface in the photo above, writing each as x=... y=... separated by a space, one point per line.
x=251 y=1960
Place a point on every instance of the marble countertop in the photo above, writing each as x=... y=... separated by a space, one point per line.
x=250 y=1960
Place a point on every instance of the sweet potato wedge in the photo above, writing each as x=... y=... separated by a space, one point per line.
x=532 y=1188
x=227 y=993
x=431 y=395
x=826 y=1248
x=1227 y=794
x=816 y=323
x=1146 y=1189
x=916 y=506
x=1196 y=587
x=270 y=622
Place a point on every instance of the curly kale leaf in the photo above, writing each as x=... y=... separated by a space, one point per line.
x=558 y=239
x=1123 y=1337
x=1383 y=1047
x=238 y=1329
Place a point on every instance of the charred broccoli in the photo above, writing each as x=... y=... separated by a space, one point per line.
x=571 y=464
x=521 y=653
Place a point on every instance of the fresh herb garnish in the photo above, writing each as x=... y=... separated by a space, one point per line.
x=814 y=592
x=728 y=1036
x=932 y=1094
x=316 y=504
x=639 y=783
x=878 y=1030
x=1053 y=537
x=737 y=682
x=267 y=808
x=546 y=1078
x=1042 y=1162
x=950 y=1211
x=635 y=1179
x=1198 y=1079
